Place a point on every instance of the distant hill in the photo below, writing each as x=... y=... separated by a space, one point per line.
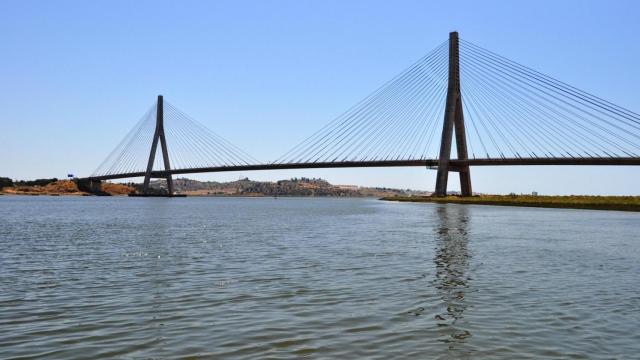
x=292 y=187
x=243 y=187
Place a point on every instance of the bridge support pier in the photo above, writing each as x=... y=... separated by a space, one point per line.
x=453 y=120
x=158 y=136
x=90 y=186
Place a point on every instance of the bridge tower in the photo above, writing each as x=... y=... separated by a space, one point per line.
x=159 y=135
x=453 y=120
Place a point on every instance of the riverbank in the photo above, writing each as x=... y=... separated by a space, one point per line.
x=620 y=203
x=64 y=188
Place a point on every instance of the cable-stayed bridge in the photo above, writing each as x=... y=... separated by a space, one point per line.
x=460 y=96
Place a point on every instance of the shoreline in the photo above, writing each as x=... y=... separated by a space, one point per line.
x=294 y=187
x=12 y=194
x=615 y=203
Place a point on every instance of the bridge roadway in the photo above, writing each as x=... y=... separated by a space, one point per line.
x=454 y=164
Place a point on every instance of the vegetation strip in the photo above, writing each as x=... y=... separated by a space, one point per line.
x=621 y=203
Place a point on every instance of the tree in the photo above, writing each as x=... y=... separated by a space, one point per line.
x=5 y=182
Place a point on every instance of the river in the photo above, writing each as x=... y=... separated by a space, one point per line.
x=248 y=278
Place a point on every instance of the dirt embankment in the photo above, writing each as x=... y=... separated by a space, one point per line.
x=117 y=189
x=64 y=187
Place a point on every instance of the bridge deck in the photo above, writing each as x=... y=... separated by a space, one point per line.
x=430 y=163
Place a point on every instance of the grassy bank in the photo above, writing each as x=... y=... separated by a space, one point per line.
x=622 y=203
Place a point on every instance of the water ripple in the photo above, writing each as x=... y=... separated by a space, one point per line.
x=319 y=278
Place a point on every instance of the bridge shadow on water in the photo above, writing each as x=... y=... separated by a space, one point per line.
x=452 y=279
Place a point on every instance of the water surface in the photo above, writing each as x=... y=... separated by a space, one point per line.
x=319 y=278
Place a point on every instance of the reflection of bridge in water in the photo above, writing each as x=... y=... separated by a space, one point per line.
x=451 y=278
x=511 y=115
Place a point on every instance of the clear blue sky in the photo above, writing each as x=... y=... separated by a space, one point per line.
x=76 y=75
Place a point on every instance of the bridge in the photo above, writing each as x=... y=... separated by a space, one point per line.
x=511 y=115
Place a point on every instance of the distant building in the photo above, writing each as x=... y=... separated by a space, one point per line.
x=348 y=187
x=534 y=193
